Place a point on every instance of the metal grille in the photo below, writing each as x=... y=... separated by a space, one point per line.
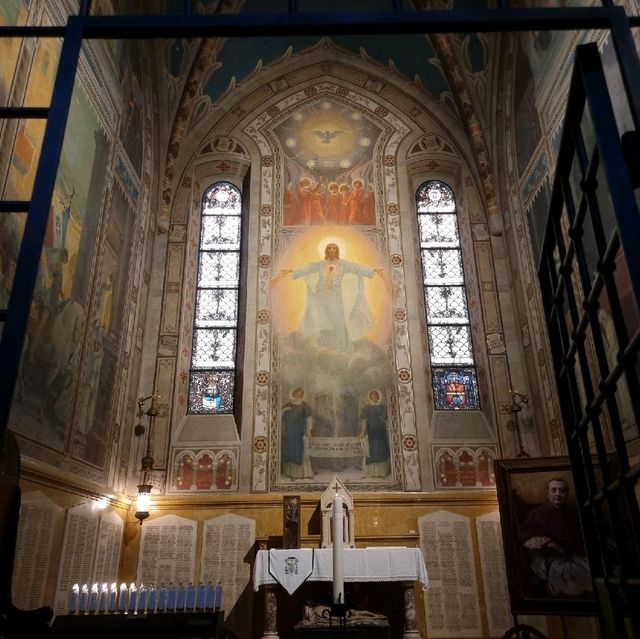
x=590 y=280
x=442 y=266
x=439 y=230
x=216 y=307
x=450 y=345
x=219 y=268
x=446 y=305
x=214 y=348
x=220 y=232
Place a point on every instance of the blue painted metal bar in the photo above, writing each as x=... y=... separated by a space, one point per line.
x=36 y=223
x=610 y=147
x=400 y=22
x=31 y=31
x=14 y=206
x=24 y=113
x=628 y=60
x=383 y=22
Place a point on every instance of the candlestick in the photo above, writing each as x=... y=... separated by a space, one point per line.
x=338 y=536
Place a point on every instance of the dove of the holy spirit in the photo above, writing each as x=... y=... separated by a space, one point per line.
x=327 y=136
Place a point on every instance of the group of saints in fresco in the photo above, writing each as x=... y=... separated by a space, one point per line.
x=314 y=201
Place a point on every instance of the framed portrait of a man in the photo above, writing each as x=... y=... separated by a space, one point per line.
x=546 y=560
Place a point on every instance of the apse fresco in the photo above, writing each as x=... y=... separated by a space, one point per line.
x=330 y=304
x=328 y=167
x=331 y=296
x=51 y=353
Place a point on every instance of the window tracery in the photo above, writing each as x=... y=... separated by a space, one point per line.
x=453 y=370
x=215 y=334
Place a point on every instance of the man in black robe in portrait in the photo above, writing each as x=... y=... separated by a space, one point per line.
x=551 y=533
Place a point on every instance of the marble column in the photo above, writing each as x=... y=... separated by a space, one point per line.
x=410 y=628
x=270 y=613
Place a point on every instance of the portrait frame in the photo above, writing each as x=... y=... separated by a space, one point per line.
x=522 y=487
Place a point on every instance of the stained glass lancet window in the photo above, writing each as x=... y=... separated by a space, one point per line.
x=215 y=331
x=453 y=372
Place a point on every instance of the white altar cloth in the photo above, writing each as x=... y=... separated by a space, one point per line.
x=382 y=563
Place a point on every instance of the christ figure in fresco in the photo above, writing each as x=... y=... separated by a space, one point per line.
x=326 y=317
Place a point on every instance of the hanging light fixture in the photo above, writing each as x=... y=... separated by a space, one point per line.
x=143 y=502
x=147 y=464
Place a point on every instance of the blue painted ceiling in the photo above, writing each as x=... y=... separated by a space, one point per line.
x=411 y=54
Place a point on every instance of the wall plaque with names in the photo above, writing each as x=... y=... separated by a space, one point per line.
x=452 y=602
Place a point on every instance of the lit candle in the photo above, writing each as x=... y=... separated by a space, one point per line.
x=338 y=567
x=133 y=599
x=84 y=598
x=123 y=598
x=93 y=599
x=75 y=596
x=142 y=599
x=103 y=604
x=113 y=597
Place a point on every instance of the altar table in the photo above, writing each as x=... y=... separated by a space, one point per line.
x=380 y=564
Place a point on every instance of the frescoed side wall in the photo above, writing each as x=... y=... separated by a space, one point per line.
x=54 y=335
x=78 y=340
x=12 y=12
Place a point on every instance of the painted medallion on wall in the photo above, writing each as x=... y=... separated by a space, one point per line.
x=331 y=297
